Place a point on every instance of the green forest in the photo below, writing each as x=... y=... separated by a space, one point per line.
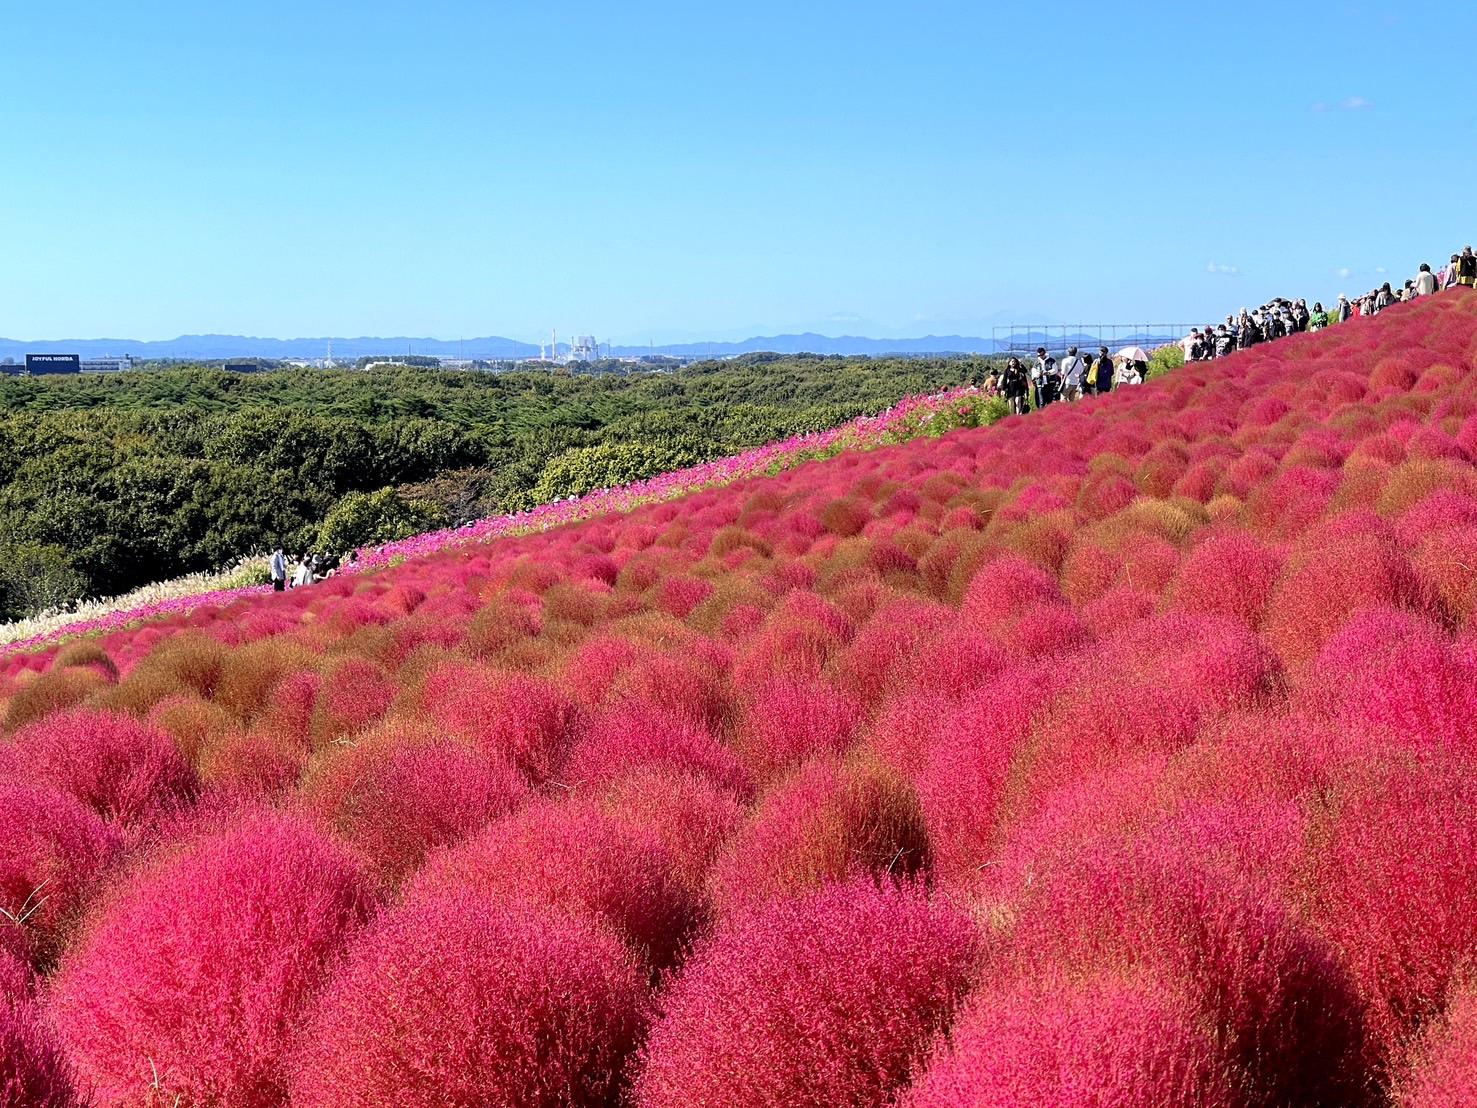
x=111 y=481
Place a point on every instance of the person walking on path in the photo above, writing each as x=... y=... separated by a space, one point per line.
x=1013 y=386
x=1425 y=282
x=278 y=569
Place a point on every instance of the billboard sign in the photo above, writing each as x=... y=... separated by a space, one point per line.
x=53 y=363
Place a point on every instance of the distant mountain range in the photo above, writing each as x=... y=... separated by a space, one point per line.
x=226 y=347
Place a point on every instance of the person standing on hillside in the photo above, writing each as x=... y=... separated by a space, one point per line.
x=1319 y=319
x=277 y=567
x=1466 y=269
x=1448 y=272
x=1104 y=371
x=1072 y=369
x=1425 y=282
x=1039 y=371
x=1013 y=386
x=1345 y=310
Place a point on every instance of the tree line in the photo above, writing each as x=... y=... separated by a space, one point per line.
x=111 y=481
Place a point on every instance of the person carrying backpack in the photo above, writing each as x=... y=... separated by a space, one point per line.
x=1466 y=269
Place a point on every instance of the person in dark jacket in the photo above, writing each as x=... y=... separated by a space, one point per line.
x=1104 y=371
x=1013 y=385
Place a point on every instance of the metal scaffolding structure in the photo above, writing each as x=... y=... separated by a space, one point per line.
x=1025 y=338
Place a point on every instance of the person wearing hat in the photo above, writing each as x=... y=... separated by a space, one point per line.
x=1345 y=310
x=1466 y=269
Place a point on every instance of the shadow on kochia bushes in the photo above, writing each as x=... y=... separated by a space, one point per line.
x=33 y=1071
x=190 y=979
x=461 y=1001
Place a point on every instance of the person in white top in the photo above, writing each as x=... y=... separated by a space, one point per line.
x=304 y=574
x=1072 y=368
x=1425 y=282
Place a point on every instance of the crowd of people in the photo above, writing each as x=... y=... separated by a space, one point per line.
x=1048 y=380
x=294 y=572
x=1280 y=318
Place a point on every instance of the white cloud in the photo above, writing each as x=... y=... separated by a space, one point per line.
x=1355 y=103
x=1345 y=272
x=1381 y=270
x=1320 y=107
x=1223 y=270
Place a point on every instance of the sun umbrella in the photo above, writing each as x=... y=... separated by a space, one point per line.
x=1133 y=354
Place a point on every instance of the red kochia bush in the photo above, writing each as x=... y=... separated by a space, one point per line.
x=527 y=720
x=827 y=1000
x=33 y=1072
x=1395 y=890
x=461 y=1002
x=1392 y=670
x=1091 y=1045
x=122 y=769
x=826 y=821
x=396 y=797
x=792 y=719
x=52 y=850
x=632 y=736
x=1284 y=1014
x=15 y=969
x=1446 y=1074
x=1230 y=574
x=573 y=857
x=190 y=981
x=689 y=815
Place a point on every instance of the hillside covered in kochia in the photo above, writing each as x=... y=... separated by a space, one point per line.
x=1121 y=753
x=111 y=481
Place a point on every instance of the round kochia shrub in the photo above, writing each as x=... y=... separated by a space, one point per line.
x=826 y=1000
x=1284 y=1013
x=1393 y=887
x=1096 y=1044
x=573 y=857
x=120 y=768
x=461 y=1002
x=823 y=823
x=399 y=795
x=52 y=850
x=190 y=980
x=33 y=1072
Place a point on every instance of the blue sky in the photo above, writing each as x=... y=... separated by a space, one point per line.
x=664 y=171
